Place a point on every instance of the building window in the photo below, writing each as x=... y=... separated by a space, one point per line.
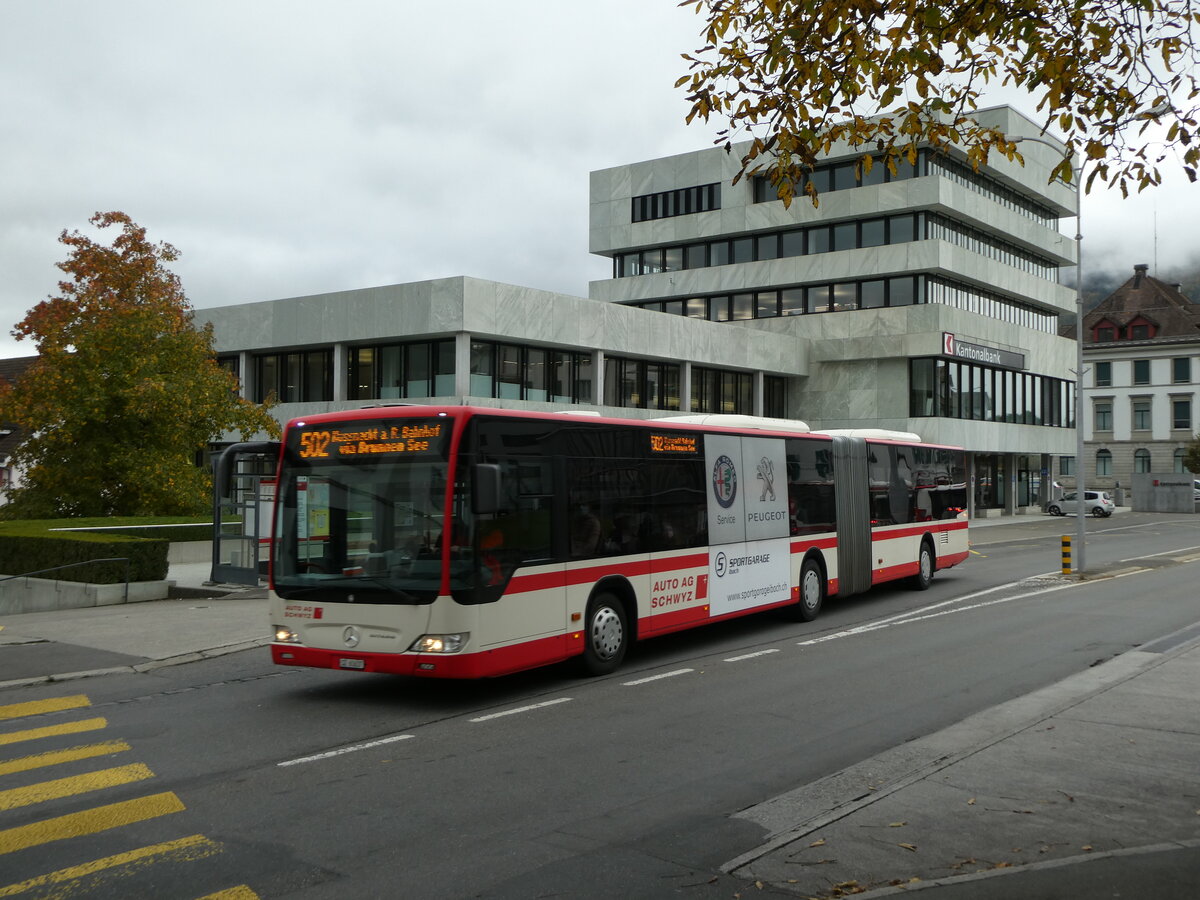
x=1181 y=370
x=1141 y=461
x=641 y=384
x=679 y=202
x=1181 y=414
x=1180 y=455
x=399 y=371
x=1141 y=371
x=1139 y=332
x=1141 y=415
x=1103 y=374
x=1103 y=415
x=1103 y=463
x=718 y=391
x=774 y=396
x=1066 y=465
x=517 y=372
x=1106 y=333
x=303 y=376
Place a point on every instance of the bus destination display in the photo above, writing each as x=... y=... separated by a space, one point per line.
x=367 y=440
x=673 y=443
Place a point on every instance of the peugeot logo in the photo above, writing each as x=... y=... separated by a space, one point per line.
x=350 y=636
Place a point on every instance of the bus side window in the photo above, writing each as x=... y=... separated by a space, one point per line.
x=519 y=532
x=810 y=487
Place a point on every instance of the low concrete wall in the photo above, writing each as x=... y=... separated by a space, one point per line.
x=26 y=595
x=1169 y=493
x=189 y=552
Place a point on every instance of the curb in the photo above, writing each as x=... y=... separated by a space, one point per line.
x=140 y=668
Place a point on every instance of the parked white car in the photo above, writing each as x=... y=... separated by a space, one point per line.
x=1097 y=503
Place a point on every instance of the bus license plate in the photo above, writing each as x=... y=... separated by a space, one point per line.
x=352 y=663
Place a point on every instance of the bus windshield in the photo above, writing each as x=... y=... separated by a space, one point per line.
x=361 y=512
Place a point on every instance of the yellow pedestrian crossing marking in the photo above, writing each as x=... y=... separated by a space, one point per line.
x=34 y=734
x=38 y=707
x=72 y=785
x=187 y=849
x=57 y=757
x=241 y=892
x=91 y=875
x=90 y=821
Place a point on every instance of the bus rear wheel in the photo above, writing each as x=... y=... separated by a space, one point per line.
x=924 y=576
x=606 y=635
x=812 y=591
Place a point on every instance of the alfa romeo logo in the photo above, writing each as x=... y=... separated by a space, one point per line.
x=724 y=481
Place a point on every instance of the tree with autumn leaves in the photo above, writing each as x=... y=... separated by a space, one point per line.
x=796 y=77
x=126 y=393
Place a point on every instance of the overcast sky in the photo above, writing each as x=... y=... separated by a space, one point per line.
x=295 y=148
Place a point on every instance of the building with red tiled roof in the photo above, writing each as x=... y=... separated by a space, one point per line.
x=1142 y=385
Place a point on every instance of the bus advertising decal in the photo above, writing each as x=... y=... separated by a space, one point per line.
x=749 y=574
x=747 y=498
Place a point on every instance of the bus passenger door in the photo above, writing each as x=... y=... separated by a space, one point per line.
x=516 y=545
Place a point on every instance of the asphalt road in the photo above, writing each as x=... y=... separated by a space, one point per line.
x=295 y=783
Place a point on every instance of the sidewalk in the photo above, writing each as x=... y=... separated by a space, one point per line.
x=1087 y=788
x=71 y=643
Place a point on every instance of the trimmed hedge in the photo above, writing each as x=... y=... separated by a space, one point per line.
x=32 y=545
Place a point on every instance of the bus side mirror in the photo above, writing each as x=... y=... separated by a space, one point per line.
x=485 y=488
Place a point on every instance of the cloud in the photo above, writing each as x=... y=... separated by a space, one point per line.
x=301 y=147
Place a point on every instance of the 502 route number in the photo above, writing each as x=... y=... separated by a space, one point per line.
x=314 y=444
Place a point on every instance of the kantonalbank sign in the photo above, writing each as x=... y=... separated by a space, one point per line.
x=989 y=356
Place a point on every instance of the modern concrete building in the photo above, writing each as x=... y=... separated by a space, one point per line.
x=1142 y=356
x=924 y=300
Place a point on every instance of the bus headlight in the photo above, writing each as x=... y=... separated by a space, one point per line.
x=440 y=643
x=285 y=635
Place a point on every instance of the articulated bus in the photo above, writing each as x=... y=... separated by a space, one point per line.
x=463 y=542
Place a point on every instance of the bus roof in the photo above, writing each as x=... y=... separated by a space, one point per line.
x=686 y=421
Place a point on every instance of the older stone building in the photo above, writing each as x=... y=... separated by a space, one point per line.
x=1142 y=355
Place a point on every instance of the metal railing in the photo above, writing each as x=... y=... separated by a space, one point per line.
x=89 y=562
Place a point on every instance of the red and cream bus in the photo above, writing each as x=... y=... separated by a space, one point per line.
x=462 y=542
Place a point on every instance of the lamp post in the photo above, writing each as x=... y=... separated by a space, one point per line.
x=1079 y=548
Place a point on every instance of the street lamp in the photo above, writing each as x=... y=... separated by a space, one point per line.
x=1078 y=550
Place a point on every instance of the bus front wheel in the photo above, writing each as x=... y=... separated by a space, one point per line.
x=812 y=591
x=606 y=635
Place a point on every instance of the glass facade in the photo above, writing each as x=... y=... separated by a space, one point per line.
x=678 y=202
x=641 y=384
x=953 y=389
x=842 y=296
x=853 y=235
x=401 y=371
x=720 y=391
x=302 y=376
x=519 y=372
x=848 y=174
